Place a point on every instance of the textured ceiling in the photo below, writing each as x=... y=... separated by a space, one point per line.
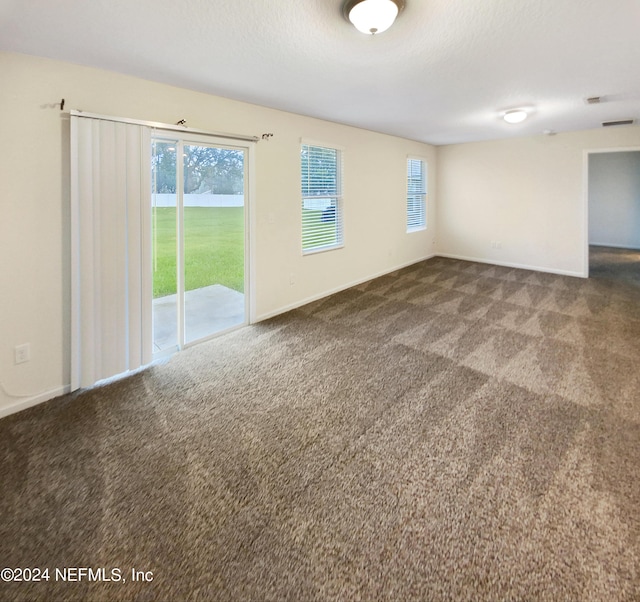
x=441 y=74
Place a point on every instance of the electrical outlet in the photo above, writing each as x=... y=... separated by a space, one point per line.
x=22 y=353
x=292 y=279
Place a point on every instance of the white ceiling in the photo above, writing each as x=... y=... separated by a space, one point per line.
x=441 y=74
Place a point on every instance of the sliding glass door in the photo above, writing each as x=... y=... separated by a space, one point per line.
x=199 y=240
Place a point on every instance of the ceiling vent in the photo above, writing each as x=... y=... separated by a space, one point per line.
x=593 y=100
x=606 y=124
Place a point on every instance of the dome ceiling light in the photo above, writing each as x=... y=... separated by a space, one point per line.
x=372 y=16
x=515 y=116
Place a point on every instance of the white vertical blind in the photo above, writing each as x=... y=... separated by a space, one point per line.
x=416 y=195
x=110 y=249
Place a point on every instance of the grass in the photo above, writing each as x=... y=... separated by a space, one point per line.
x=213 y=248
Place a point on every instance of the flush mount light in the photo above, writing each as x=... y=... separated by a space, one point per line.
x=515 y=116
x=372 y=16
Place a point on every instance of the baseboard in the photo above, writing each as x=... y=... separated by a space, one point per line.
x=27 y=402
x=285 y=309
x=519 y=266
x=612 y=246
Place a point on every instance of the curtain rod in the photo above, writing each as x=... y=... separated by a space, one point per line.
x=164 y=126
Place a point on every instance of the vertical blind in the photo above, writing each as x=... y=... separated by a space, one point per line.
x=321 y=177
x=111 y=271
x=416 y=194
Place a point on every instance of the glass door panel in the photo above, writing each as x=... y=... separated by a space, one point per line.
x=214 y=239
x=164 y=218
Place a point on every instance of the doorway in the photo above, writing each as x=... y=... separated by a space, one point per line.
x=613 y=214
x=199 y=239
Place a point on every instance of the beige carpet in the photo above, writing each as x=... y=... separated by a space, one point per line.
x=452 y=431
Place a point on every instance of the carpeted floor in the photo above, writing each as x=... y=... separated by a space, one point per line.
x=452 y=431
x=615 y=264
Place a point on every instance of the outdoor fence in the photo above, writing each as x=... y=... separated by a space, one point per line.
x=199 y=200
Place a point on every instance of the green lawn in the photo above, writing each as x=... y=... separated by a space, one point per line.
x=213 y=248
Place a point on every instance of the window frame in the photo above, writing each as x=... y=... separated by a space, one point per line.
x=336 y=199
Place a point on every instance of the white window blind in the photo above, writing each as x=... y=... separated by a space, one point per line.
x=110 y=249
x=416 y=195
x=322 y=215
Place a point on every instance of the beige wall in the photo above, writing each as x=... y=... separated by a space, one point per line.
x=34 y=198
x=528 y=194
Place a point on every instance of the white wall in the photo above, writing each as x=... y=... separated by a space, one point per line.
x=34 y=197
x=528 y=194
x=614 y=199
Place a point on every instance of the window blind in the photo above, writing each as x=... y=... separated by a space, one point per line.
x=416 y=195
x=321 y=178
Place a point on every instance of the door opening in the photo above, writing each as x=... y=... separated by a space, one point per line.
x=199 y=240
x=613 y=209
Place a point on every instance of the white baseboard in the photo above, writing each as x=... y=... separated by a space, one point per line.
x=519 y=266
x=27 y=402
x=338 y=289
x=614 y=246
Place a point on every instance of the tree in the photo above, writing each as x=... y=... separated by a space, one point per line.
x=163 y=168
x=206 y=169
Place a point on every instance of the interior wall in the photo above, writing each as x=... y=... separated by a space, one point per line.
x=614 y=199
x=521 y=202
x=34 y=230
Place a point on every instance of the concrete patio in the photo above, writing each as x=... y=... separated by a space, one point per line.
x=207 y=310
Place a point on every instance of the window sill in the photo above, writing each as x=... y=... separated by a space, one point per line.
x=322 y=249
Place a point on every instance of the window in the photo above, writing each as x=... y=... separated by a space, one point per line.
x=416 y=195
x=321 y=176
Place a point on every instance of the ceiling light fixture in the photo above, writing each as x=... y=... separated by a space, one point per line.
x=515 y=116
x=372 y=16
